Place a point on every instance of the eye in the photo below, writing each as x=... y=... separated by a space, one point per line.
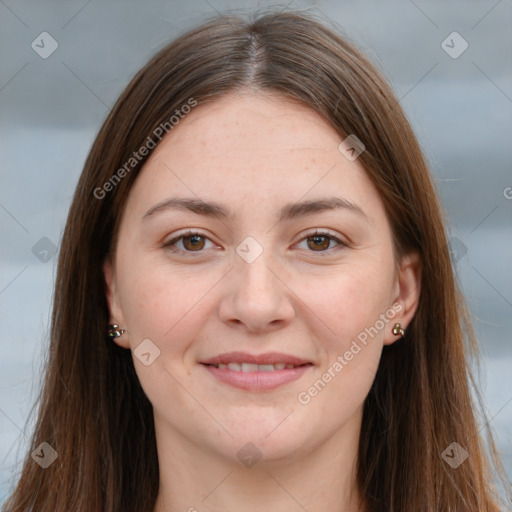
x=190 y=242
x=320 y=241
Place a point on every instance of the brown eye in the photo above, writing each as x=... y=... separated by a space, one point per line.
x=193 y=242
x=322 y=242
x=319 y=242
x=188 y=243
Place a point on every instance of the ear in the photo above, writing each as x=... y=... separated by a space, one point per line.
x=406 y=294
x=114 y=306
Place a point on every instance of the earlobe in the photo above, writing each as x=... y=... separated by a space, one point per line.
x=407 y=295
x=116 y=316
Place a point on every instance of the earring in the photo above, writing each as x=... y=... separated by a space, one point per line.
x=113 y=331
x=397 y=330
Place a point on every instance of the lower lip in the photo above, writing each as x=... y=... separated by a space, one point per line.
x=257 y=381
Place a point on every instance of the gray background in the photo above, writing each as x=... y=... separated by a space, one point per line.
x=50 y=110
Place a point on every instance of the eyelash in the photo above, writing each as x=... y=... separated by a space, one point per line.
x=170 y=244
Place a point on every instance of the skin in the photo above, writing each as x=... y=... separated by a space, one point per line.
x=255 y=154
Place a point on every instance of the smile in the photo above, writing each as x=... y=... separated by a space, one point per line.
x=251 y=367
x=263 y=372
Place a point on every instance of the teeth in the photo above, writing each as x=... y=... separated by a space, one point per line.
x=251 y=367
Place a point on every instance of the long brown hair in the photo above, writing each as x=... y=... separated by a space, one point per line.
x=92 y=407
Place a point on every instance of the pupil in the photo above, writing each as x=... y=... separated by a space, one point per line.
x=193 y=242
x=320 y=242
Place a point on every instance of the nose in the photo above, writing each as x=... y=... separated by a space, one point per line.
x=256 y=297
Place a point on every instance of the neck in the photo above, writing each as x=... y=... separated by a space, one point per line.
x=193 y=479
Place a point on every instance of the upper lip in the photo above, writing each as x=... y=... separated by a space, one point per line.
x=244 y=357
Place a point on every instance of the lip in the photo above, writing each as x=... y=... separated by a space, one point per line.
x=258 y=380
x=244 y=357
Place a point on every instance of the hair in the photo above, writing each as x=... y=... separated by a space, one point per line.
x=91 y=405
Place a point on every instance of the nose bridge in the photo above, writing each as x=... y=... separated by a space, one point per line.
x=253 y=268
x=257 y=297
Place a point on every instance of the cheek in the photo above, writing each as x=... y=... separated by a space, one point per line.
x=355 y=305
x=164 y=304
x=166 y=307
x=350 y=302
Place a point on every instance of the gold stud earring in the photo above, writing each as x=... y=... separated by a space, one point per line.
x=397 y=330
x=113 y=331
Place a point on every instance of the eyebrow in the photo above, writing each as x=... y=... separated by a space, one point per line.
x=288 y=212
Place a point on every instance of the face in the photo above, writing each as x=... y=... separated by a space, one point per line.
x=254 y=275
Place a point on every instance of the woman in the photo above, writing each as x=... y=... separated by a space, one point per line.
x=255 y=305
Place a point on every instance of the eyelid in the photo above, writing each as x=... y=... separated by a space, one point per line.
x=308 y=234
x=169 y=244
x=324 y=232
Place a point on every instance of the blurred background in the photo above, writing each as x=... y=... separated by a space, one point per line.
x=63 y=65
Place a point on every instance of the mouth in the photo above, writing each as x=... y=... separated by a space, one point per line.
x=256 y=372
x=251 y=367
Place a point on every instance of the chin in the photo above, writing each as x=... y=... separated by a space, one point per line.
x=270 y=441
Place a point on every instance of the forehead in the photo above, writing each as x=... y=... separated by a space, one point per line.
x=252 y=125
x=253 y=149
